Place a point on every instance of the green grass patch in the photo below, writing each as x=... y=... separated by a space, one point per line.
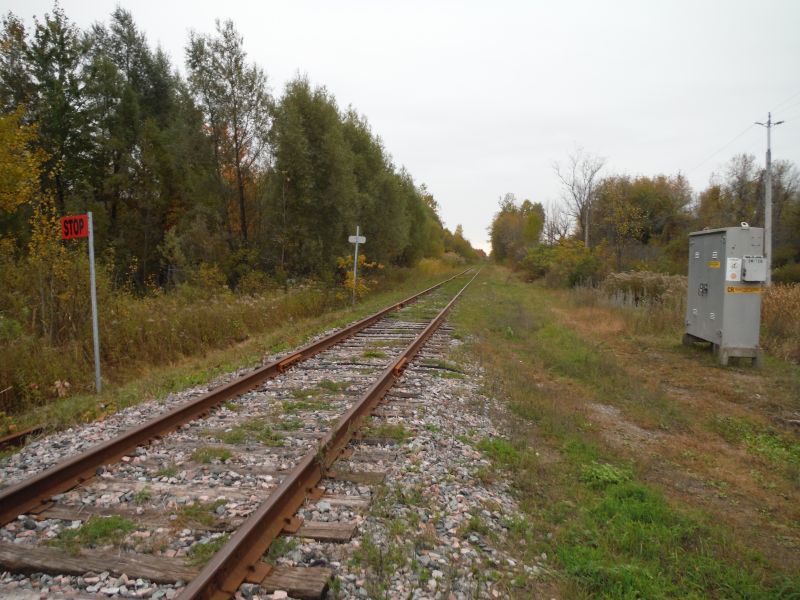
x=255 y=430
x=374 y=354
x=291 y=424
x=200 y=554
x=281 y=546
x=168 y=471
x=629 y=543
x=292 y=405
x=500 y=451
x=601 y=475
x=96 y=531
x=143 y=496
x=197 y=514
x=389 y=431
x=334 y=387
x=208 y=454
x=760 y=440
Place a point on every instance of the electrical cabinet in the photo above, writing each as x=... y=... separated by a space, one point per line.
x=727 y=271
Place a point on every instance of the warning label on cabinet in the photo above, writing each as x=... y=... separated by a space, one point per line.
x=733 y=271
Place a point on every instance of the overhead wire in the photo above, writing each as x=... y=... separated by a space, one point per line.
x=792 y=97
x=721 y=148
x=749 y=127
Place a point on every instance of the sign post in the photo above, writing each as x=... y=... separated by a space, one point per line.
x=356 y=239
x=80 y=226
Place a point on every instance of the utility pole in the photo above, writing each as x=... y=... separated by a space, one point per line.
x=768 y=197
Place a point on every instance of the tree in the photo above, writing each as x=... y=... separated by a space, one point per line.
x=556 y=224
x=236 y=104
x=15 y=77
x=620 y=217
x=578 y=177
x=515 y=228
x=55 y=59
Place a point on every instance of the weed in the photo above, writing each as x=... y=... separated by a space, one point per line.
x=291 y=406
x=281 y=546
x=758 y=439
x=168 y=471
x=258 y=429
x=500 y=450
x=389 y=431
x=333 y=386
x=601 y=475
x=474 y=525
x=291 y=424
x=201 y=553
x=432 y=427
x=143 y=496
x=199 y=513
x=374 y=354
x=208 y=454
x=96 y=531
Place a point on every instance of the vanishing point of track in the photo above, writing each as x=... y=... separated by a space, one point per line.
x=240 y=558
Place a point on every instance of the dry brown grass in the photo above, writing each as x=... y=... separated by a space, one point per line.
x=780 y=319
x=656 y=303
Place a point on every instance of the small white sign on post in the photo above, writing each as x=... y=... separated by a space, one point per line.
x=356 y=239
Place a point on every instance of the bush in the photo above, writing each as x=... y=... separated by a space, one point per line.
x=788 y=273
x=645 y=288
x=780 y=321
x=566 y=264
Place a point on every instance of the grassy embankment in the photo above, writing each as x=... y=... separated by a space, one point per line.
x=644 y=469
x=167 y=343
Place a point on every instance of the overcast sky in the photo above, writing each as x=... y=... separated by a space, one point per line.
x=477 y=99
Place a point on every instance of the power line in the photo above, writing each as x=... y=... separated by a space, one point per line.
x=713 y=154
x=790 y=107
x=792 y=97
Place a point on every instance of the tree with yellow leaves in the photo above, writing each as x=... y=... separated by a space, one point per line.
x=19 y=163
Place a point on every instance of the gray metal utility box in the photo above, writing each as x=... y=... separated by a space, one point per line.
x=727 y=271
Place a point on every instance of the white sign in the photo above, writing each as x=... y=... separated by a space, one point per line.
x=733 y=271
x=357 y=239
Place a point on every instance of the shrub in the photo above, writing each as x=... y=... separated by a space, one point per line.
x=645 y=288
x=788 y=273
x=780 y=320
x=566 y=264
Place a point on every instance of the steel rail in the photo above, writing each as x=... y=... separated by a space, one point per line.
x=18 y=438
x=66 y=474
x=239 y=560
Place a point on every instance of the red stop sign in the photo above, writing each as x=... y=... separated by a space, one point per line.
x=74 y=226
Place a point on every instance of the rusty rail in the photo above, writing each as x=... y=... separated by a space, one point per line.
x=239 y=560
x=18 y=437
x=36 y=491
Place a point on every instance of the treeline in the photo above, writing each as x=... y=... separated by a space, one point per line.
x=620 y=222
x=189 y=175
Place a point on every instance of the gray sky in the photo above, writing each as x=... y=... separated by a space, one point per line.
x=478 y=99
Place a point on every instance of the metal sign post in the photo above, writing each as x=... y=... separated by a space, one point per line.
x=80 y=226
x=356 y=239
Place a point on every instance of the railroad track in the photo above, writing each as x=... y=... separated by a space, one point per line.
x=227 y=473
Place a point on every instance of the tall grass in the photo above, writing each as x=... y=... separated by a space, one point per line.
x=139 y=331
x=656 y=303
x=780 y=321
x=154 y=330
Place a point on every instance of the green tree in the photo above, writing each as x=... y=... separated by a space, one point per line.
x=55 y=60
x=237 y=106
x=15 y=78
